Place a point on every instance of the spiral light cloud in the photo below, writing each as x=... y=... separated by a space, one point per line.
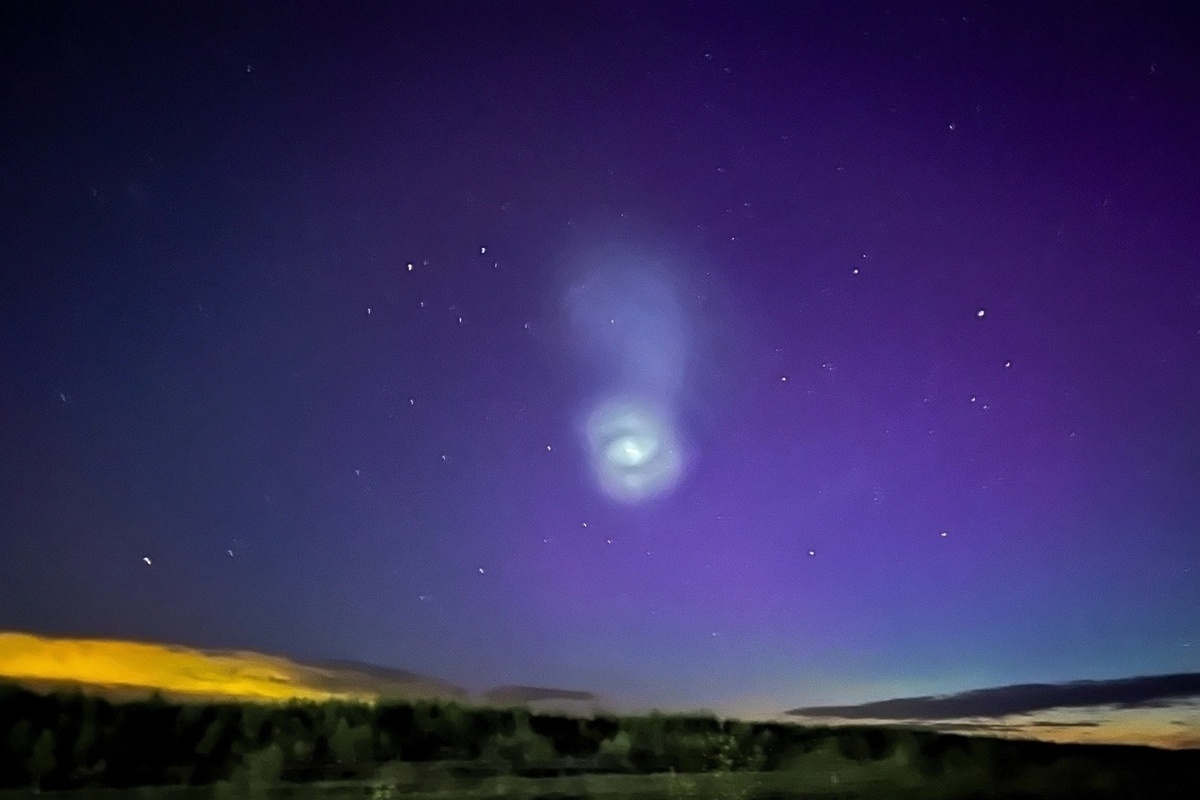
x=634 y=449
x=628 y=320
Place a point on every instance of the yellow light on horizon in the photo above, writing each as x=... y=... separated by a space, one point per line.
x=165 y=668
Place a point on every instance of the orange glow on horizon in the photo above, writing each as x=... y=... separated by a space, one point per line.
x=172 y=670
x=1174 y=727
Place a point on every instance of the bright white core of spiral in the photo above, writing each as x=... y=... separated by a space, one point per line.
x=634 y=449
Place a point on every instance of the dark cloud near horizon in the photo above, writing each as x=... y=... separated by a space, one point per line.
x=1137 y=692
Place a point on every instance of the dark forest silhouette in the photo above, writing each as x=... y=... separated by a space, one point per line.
x=70 y=740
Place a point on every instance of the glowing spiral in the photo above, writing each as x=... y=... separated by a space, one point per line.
x=627 y=318
x=634 y=449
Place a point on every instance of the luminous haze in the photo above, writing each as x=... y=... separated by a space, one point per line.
x=824 y=358
x=631 y=435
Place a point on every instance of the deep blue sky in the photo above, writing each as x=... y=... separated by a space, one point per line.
x=906 y=296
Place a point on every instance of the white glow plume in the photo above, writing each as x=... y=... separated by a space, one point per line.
x=629 y=320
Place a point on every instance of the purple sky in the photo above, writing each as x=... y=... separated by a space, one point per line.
x=908 y=301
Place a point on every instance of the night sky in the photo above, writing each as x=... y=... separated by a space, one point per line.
x=743 y=357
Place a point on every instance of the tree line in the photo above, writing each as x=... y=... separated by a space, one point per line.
x=68 y=740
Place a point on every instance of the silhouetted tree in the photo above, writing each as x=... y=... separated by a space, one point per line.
x=41 y=760
x=254 y=777
x=648 y=744
x=384 y=749
x=860 y=744
x=253 y=726
x=351 y=745
x=614 y=753
x=20 y=743
x=520 y=749
x=213 y=735
x=939 y=755
x=84 y=746
x=594 y=731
